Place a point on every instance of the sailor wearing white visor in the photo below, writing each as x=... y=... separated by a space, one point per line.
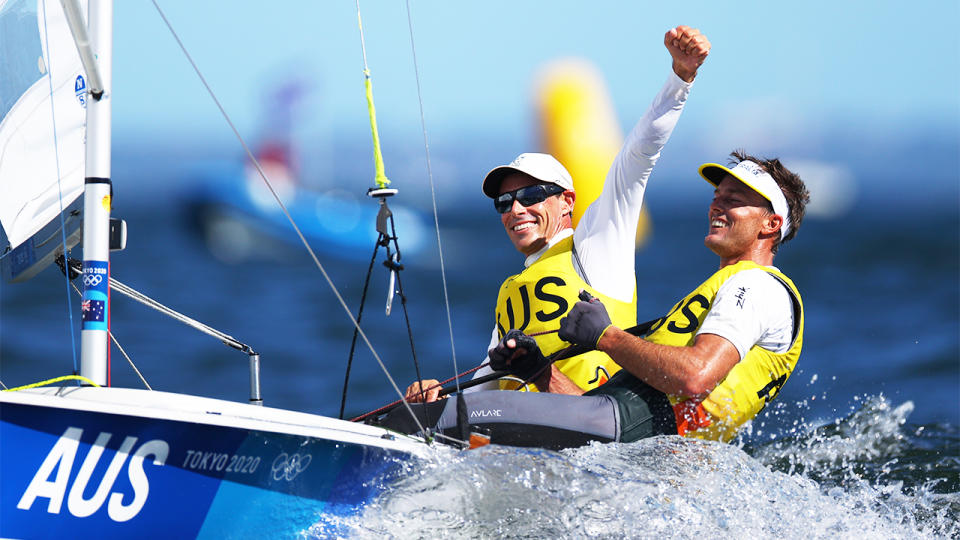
x=756 y=179
x=724 y=350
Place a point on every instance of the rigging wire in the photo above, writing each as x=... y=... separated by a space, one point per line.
x=384 y=214
x=134 y=294
x=129 y=361
x=433 y=196
x=56 y=153
x=276 y=197
x=117 y=343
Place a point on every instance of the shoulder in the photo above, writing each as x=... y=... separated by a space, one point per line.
x=752 y=307
x=755 y=293
x=755 y=276
x=754 y=282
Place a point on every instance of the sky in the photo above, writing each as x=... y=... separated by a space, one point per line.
x=864 y=89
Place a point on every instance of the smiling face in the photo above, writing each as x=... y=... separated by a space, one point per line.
x=742 y=225
x=531 y=227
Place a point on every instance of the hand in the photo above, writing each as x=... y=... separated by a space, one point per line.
x=519 y=354
x=431 y=394
x=689 y=48
x=586 y=322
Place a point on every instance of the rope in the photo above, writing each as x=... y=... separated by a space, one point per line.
x=276 y=197
x=423 y=390
x=353 y=342
x=133 y=294
x=56 y=153
x=54 y=380
x=403 y=299
x=433 y=197
x=567 y=352
x=383 y=240
x=379 y=176
x=381 y=180
x=456 y=441
x=115 y=342
x=457 y=378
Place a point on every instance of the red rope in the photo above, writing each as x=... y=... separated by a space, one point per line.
x=438 y=385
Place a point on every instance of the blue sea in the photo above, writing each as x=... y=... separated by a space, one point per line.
x=864 y=439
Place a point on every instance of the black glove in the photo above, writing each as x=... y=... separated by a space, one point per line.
x=524 y=360
x=586 y=322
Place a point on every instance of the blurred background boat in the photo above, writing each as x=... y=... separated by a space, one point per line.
x=239 y=219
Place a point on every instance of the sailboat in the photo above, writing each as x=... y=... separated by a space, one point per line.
x=120 y=461
x=237 y=223
x=237 y=215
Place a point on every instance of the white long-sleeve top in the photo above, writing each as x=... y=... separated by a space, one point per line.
x=605 y=237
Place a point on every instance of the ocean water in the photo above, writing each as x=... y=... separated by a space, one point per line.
x=864 y=439
x=841 y=482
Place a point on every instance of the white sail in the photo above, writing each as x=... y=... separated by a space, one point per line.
x=30 y=193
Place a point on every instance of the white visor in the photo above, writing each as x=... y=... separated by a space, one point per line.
x=756 y=179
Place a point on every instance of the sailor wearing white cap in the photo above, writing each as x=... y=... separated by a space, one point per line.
x=534 y=196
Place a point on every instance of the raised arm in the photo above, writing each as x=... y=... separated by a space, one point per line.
x=688 y=48
x=606 y=233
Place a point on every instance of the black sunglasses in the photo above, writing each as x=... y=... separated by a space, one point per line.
x=526 y=195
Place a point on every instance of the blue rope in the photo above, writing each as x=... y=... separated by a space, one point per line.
x=63 y=226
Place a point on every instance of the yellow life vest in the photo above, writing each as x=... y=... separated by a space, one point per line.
x=751 y=384
x=535 y=300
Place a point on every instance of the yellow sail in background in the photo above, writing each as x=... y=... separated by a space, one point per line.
x=578 y=126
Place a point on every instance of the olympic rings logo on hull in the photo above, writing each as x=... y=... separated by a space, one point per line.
x=289 y=467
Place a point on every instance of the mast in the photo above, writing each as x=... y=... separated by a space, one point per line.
x=94 y=341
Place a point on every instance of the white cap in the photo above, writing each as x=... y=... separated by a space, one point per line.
x=543 y=167
x=757 y=179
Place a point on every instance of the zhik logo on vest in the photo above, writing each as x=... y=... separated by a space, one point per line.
x=62 y=456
